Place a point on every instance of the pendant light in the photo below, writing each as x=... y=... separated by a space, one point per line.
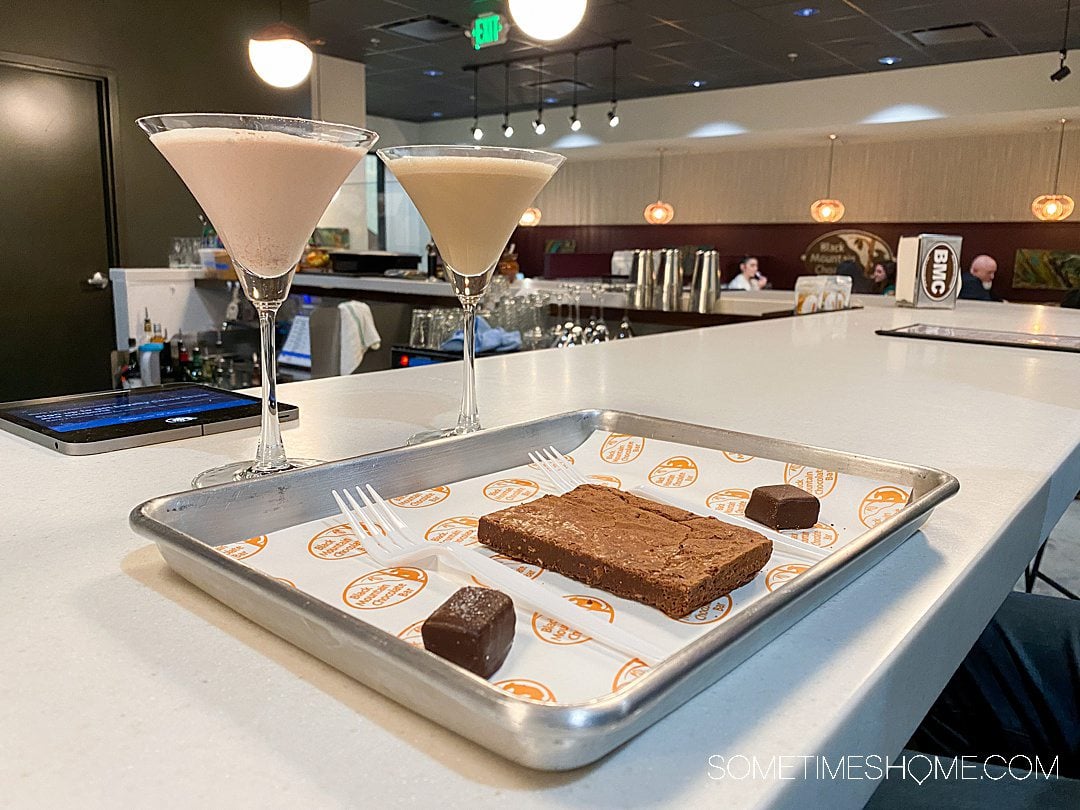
x=1054 y=207
x=279 y=54
x=477 y=133
x=575 y=122
x=547 y=19
x=507 y=130
x=613 y=113
x=828 y=209
x=659 y=212
x=538 y=125
x=531 y=217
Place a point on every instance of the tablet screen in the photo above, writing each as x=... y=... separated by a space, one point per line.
x=95 y=417
x=124 y=407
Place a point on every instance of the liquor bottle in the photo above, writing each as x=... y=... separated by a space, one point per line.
x=195 y=371
x=147 y=327
x=183 y=361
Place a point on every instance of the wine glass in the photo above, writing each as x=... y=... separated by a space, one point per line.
x=264 y=182
x=471 y=198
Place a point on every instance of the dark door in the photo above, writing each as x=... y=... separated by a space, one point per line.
x=56 y=231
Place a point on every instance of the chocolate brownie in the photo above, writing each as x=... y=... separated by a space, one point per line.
x=639 y=549
x=474 y=628
x=782 y=506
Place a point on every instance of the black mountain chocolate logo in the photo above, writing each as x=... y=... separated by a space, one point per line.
x=939 y=271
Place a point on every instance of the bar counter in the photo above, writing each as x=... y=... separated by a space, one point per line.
x=124 y=685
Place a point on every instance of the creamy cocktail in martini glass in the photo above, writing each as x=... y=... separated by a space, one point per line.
x=471 y=198
x=264 y=182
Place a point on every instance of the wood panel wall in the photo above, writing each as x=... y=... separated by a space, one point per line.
x=990 y=177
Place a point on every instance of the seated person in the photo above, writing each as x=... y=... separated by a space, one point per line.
x=884 y=278
x=853 y=270
x=748 y=278
x=975 y=284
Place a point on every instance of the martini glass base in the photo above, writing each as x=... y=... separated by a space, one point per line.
x=242 y=471
x=431 y=435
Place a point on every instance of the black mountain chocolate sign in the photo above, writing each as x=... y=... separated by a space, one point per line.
x=939 y=271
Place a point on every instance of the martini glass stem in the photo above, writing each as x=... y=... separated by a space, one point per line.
x=271 y=454
x=469 y=418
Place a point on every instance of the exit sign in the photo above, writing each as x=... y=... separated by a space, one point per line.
x=488 y=29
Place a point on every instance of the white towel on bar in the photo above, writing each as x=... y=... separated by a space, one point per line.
x=358 y=334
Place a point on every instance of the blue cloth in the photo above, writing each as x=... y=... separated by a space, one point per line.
x=488 y=339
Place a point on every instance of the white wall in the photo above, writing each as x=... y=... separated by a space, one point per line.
x=338 y=93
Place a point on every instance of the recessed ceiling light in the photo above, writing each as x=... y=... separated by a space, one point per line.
x=890 y=60
x=436 y=114
x=432 y=72
x=806 y=12
x=698 y=83
x=551 y=100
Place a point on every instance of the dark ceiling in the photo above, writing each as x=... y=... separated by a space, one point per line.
x=718 y=43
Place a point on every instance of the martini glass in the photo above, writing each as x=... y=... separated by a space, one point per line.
x=264 y=182
x=471 y=198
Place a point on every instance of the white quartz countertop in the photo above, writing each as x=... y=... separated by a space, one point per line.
x=123 y=686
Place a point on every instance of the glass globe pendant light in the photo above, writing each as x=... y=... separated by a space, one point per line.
x=1054 y=207
x=828 y=209
x=659 y=212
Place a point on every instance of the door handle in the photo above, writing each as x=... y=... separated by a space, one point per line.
x=98 y=280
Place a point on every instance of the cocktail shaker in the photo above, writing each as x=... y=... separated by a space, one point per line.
x=705 y=285
x=643 y=279
x=671 y=286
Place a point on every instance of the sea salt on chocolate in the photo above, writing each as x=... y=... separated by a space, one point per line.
x=782 y=506
x=474 y=629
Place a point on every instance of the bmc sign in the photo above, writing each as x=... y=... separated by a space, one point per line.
x=939 y=272
x=928 y=271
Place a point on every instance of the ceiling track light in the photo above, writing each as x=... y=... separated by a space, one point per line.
x=475 y=131
x=575 y=122
x=828 y=209
x=507 y=130
x=1063 y=70
x=613 y=113
x=1054 y=207
x=538 y=125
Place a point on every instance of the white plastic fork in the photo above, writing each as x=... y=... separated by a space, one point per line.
x=389 y=541
x=559 y=470
x=564 y=477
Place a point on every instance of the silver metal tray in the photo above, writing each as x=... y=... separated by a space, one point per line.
x=188 y=525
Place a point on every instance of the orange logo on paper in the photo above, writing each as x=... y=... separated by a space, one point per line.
x=525 y=688
x=336 y=543
x=511 y=490
x=461 y=529
x=738 y=458
x=621 y=448
x=881 y=504
x=385 y=588
x=818 y=535
x=783 y=573
x=411 y=634
x=425 y=497
x=288 y=582
x=677 y=471
x=729 y=501
x=245 y=548
x=631 y=670
x=716 y=610
x=555 y=632
x=816 y=481
x=606 y=481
